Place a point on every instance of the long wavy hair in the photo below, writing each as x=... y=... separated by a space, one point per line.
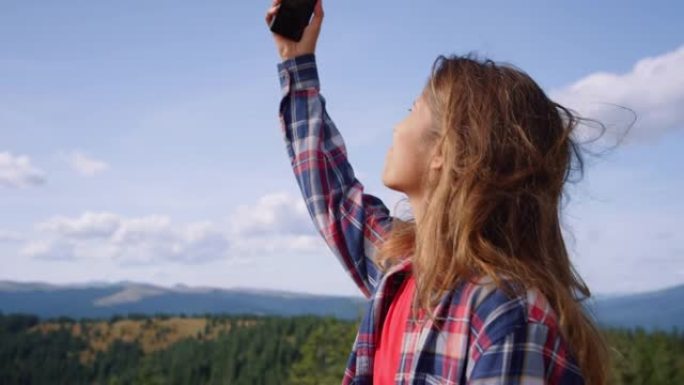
x=494 y=207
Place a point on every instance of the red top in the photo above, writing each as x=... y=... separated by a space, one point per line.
x=388 y=351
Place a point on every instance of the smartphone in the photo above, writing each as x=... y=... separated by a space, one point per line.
x=292 y=17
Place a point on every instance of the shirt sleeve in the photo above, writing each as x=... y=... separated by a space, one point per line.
x=353 y=223
x=529 y=355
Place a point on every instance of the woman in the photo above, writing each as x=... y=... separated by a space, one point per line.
x=478 y=287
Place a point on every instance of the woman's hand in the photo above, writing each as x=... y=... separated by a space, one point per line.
x=287 y=48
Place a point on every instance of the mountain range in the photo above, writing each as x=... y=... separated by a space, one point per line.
x=662 y=309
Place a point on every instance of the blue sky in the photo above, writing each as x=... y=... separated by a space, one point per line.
x=141 y=141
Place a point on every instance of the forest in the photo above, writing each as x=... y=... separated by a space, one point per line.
x=241 y=349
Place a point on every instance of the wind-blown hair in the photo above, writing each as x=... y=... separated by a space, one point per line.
x=494 y=207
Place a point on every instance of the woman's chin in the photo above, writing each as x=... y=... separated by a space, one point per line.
x=390 y=184
x=385 y=179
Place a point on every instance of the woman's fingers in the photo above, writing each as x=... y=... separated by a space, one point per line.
x=271 y=12
x=318 y=10
x=288 y=48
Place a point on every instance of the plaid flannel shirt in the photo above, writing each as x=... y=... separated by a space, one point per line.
x=481 y=336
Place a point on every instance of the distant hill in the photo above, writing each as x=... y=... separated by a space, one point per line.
x=105 y=300
x=662 y=309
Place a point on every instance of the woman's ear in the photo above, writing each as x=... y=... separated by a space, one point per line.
x=437 y=161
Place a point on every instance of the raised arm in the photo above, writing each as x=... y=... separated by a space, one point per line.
x=353 y=223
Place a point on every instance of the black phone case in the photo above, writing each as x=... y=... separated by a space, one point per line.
x=292 y=17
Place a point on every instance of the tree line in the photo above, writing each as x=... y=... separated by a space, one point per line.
x=303 y=350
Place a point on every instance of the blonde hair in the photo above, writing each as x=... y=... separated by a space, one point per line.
x=494 y=207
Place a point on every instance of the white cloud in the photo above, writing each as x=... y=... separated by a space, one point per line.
x=278 y=244
x=277 y=223
x=88 y=225
x=17 y=171
x=84 y=164
x=52 y=249
x=128 y=240
x=276 y=213
x=10 y=236
x=654 y=89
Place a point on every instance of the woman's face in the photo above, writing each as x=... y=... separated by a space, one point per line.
x=407 y=160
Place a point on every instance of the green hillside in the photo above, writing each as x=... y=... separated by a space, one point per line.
x=240 y=350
